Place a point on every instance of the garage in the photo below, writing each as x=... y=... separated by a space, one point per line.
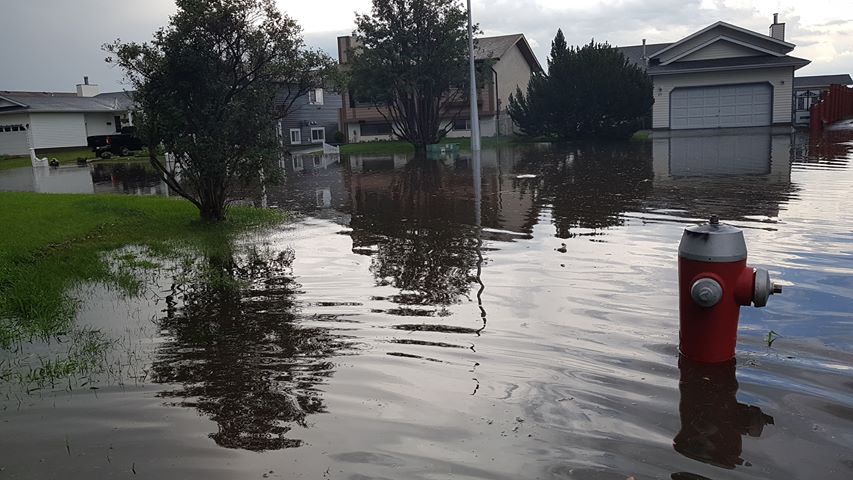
x=13 y=139
x=745 y=105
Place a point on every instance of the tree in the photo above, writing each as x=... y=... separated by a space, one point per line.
x=206 y=86
x=589 y=91
x=411 y=64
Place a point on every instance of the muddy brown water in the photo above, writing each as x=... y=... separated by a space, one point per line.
x=412 y=323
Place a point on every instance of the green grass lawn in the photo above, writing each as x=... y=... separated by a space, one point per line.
x=51 y=243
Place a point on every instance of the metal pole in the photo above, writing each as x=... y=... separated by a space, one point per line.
x=475 y=117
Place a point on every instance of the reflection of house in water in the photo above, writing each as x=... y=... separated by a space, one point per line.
x=127 y=178
x=693 y=172
x=313 y=180
x=48 y=180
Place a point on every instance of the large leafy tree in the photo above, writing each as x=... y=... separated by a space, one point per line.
x=411 y=64
x=206 y=85
x=589 y=91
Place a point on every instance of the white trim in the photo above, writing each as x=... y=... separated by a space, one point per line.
x=719 y=38
x=318 y=140
x=723 y=24
x=298 y=136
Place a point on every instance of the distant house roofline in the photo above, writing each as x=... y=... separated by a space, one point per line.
x=822 y=81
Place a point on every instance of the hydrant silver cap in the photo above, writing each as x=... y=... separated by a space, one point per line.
x=706 y=292
x=712 y=242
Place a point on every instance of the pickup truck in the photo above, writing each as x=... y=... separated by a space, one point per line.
x=115 y=144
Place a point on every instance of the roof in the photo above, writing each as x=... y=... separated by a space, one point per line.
x=822 y=80
x=65 y=102
x=781 y=43
x=734 y=63
x=634 y=53
x=493 y=48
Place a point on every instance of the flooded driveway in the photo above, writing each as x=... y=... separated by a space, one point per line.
x=415 y=323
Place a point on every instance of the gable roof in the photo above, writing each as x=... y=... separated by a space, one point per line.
x=65 y=102
x=493 y=48
x=817 y=81
x=781 y=43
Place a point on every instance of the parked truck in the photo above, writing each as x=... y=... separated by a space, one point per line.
x=122 y=144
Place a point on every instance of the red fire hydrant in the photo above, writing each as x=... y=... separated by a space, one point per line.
x=713 y=282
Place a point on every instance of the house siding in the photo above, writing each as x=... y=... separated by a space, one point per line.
x=96 y=123
x=304 y=116
x=57 y=130
x=720 y=49
x=780 y=79
x=513 y=72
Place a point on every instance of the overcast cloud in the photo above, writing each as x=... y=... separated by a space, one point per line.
x=49 y=45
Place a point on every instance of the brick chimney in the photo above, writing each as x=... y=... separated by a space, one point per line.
x=87 y=89
x=777 y=30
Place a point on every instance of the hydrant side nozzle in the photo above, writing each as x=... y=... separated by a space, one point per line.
x=764 y=287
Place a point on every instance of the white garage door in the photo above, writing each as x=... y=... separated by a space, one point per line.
x=13 y=140
x=747 y=105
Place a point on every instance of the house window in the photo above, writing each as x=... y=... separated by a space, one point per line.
x=295 y=136
x=298 y=163
x=318 y=161
x=318 y=134
x=315 y=96
x=806 y=99
x=461 y=124
x=372 y=129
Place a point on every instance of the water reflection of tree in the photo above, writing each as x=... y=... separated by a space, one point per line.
x=420 y=220
x=237 y=353
x=590 y=185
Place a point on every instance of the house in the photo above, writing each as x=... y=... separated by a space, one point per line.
x=807 y=90
x=721 y=76
x=59 y=119
x=312 y=118
x=512 y=64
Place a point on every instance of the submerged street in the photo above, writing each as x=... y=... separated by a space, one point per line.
x=411 y=322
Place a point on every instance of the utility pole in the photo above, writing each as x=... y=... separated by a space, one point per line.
x=475 y=117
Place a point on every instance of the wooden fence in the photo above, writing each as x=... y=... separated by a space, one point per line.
x=834 y=105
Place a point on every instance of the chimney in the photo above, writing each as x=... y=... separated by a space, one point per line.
x=645 y=58
x=87 y=89
x=777 y=30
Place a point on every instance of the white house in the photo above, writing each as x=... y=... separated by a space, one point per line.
x=59 y=119
x=721 y=76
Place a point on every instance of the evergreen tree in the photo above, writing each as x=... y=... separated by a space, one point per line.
x=589 y=91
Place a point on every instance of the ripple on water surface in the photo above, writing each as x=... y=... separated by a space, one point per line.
x=416 y=323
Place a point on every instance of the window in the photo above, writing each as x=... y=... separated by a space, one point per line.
x=806 y=99
x=315 y=97
x=295 y=136
x=318 y=134
x=298 y=163
x=317 y=160
x=372 y=129
x=461 y=124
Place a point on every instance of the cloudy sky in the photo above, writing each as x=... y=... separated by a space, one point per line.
x=48 y=45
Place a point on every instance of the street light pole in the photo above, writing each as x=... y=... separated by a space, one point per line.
x=475 y=117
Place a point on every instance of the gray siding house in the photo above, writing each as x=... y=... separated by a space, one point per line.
x=313 y=118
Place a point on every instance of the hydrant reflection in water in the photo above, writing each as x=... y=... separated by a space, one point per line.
x=713 y=282
x=712 y=420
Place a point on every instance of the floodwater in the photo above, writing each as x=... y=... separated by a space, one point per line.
x=419 y=322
